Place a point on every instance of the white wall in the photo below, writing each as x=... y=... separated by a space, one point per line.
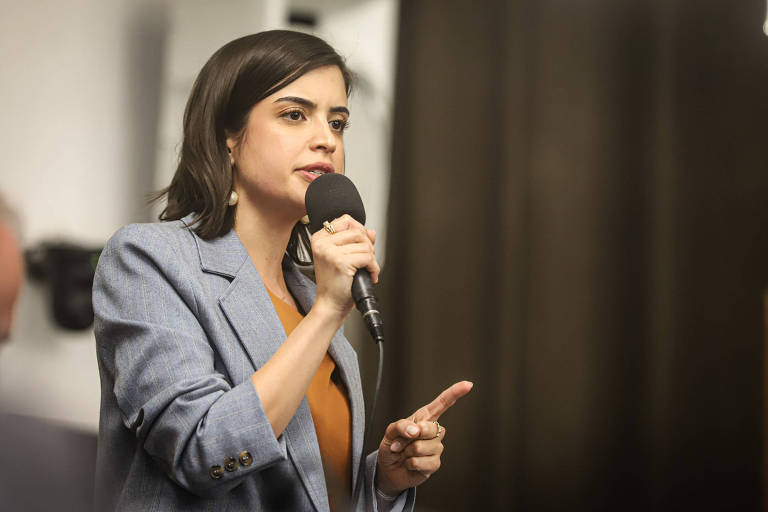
x=77 y=133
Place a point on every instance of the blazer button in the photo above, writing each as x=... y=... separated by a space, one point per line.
x=246 y=459
x=216 y=472
x=230 y=464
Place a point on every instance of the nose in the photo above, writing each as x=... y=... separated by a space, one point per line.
x=323 y=138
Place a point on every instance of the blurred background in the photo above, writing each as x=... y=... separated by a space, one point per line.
x=571 y=200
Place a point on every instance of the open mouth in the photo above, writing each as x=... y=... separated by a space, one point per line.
x=313 y=171
x=311 y=174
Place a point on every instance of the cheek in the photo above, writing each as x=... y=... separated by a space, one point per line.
x=273 y=150
x=338 y=158
x=262 y=162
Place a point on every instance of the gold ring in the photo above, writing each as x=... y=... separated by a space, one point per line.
x=439 y=430
x=329 y=228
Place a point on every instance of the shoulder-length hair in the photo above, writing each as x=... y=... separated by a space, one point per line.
x=239 y=75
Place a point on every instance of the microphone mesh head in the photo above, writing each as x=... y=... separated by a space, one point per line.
x=330 y=196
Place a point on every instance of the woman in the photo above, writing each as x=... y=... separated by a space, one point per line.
x=226 y=381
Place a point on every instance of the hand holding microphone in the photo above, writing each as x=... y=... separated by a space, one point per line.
x=338 y=253
x=343 y=248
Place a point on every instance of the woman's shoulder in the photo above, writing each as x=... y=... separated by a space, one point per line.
x=155 y=238
x=148 y=259
x=175 y=229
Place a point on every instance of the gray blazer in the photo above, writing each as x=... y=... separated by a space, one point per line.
x=181 y=325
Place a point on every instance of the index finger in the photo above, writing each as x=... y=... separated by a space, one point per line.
x=444 y=401
x=345 y=222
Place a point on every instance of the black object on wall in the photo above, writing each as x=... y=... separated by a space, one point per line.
x=68 y=269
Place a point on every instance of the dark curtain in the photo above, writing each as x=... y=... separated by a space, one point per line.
x=578 y=223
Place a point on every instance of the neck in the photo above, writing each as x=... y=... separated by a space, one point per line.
x=265 y=237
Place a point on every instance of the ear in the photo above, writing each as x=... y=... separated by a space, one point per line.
x=231 y=146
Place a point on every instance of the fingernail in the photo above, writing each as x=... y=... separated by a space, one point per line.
x=412 y=430
x=395 y=446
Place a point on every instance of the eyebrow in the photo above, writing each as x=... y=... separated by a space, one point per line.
x=309 y=104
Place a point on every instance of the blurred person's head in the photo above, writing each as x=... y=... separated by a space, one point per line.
x=11 y=270
x=237 y=77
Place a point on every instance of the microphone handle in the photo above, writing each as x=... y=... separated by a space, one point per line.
x=367 y=304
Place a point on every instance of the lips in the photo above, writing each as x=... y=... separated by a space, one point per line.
x=312 y=171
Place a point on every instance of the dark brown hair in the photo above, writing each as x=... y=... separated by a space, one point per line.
x=239 y=75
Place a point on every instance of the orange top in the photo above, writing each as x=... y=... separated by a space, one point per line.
x=330 y=411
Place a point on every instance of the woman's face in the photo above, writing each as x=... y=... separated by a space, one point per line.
x=291 y=137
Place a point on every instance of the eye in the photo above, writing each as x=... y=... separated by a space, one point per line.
x=294 y=115
x=339 y=125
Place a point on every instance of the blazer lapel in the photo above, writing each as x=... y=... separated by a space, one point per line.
x=245 y=302
x=249 y=310
x=344 y=356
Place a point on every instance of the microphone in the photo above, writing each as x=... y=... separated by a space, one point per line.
x=328 y=197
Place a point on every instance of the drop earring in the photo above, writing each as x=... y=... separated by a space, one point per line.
x=233 y=198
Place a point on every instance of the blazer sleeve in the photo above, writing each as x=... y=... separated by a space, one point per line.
x=404 y=502
x=185 y=413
